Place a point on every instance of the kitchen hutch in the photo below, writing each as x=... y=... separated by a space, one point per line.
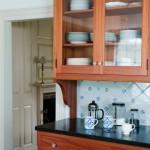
x=116 y=47
x=119 y=48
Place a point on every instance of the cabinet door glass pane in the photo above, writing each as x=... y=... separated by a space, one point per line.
x=123 y=32
x=77 y=32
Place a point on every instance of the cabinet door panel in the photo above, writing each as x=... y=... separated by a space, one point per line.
x=125 y=37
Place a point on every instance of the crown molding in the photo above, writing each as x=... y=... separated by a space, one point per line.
x=27 y=13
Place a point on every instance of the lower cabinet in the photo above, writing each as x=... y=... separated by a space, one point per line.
x=50 y=141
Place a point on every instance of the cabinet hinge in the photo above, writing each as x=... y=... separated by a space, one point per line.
x=147 y=64
x=55 y=63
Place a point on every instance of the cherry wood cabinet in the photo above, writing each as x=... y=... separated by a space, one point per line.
x=117 y=55
x=50 y=141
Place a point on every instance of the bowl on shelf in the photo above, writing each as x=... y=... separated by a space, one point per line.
x=110 y=37
x=78 y=37
x=129 y=34
x=91 y=36
x=116 y=4
x=79 y=5
x=78 y=61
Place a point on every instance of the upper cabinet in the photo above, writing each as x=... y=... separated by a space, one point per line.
x=101 y=39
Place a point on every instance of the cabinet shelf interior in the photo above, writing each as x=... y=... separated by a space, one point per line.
x=79 y=13
x=124 y=10
x=78 y=45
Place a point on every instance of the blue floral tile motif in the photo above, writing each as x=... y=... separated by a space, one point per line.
x=106 y=108
x=81 y=115
x=106 y=89
x=142 y=112
x=97 y=98
x=81 y=97
x=115 y=100
x=142 y=91
x=124 y=91
x=90 y=89
x=132 y=100
x=98 y=89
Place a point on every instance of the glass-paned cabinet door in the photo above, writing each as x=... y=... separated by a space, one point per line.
x=123 y=32
x=77 y=48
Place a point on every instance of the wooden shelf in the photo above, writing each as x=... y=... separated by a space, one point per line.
x=79 y=45
x=79 y=13
x=123 y=10
x=111 y=43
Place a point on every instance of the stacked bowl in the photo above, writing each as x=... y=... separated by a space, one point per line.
x=79 y=4
x=110 y=37
x=91 y=36
x=78 y=61
x=78 y=37
x=129 y=34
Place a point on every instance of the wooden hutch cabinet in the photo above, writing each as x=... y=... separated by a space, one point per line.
x=104 y=40
x=117 y=45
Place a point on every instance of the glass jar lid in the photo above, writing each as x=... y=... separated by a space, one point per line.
x=118 y=104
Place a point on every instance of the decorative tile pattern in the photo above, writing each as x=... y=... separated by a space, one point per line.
x=134 y=95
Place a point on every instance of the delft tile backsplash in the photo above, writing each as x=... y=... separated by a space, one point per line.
x=134 y=95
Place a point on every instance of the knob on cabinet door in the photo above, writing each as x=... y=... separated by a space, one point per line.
x=94 y=63
x=53 y=145
x=100 y=63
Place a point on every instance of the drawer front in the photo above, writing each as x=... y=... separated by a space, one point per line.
x=50 y=141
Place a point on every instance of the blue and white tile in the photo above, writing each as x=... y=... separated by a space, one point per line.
x=133 y=91
x=147 y=92
x=134 y=95
x=143 y=86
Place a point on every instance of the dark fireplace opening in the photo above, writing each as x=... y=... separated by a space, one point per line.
x=49 y=107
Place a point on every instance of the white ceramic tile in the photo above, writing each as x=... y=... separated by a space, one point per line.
x=133 y=91
x=124 y=85
x=147 y=92
x=143 y=86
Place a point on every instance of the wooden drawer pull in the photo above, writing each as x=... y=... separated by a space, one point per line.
x=53 y=145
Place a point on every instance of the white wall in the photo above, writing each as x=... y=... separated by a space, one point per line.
x=19 y=4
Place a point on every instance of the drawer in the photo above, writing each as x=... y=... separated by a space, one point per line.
x=50 y=141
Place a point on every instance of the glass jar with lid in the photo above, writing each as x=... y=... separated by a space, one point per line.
x=134 y=117
x=119 y=112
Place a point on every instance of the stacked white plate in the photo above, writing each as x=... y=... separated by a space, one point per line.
x=78 y=61
x=78 y=37
x=79 y=4
x=135 y=3
x=110 y=37
x=115 y=4
x=130 y=34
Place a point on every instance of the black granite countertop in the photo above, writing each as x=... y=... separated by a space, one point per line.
x=75 y=127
